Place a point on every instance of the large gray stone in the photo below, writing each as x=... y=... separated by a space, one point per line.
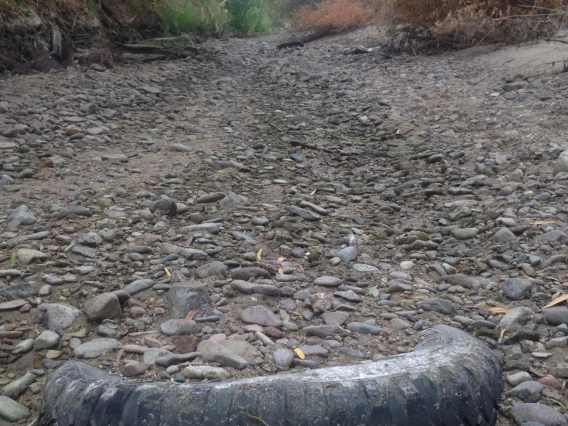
x=212 y=269
x=517 y=288
x=46 y=340
x=96 y=348
x=17 y=291
x=103 y=306
x=504 y=235
x=188 y=296
x=520 y=315
x=205 y=372
x=283 y=358
x=556 y=315
x=438 y=305
x=347 y=254
x=527 y=391
x=561 y=164
x=530 y=412
x=364 y=328
x=261 y=315
x=74 y=211
x=322 y=330
x=328 y=281
x=18 y=387
x=12 y=410
x=55 y=316
x=228 y=360
x=138 y=286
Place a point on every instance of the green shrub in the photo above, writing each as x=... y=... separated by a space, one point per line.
x=195 y=16
x=248 y=17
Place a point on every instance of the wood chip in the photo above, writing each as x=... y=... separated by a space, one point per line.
x=189 y=317
x=556 y=301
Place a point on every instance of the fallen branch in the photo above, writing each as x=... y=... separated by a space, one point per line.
x=180 y=47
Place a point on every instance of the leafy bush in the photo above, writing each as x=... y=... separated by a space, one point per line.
x=195 y=16
x=248 y=17
x=334 y=15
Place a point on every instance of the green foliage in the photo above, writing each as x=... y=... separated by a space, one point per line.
x=194 y=16
x=249 y=17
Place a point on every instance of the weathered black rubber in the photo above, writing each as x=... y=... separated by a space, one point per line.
x=450 y=379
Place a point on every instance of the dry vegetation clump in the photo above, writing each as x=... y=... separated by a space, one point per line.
x=332 y=16
x=462 y=23
x=42 y=35
x=438 y=23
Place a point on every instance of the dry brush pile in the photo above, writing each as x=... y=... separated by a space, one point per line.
x=439 y=23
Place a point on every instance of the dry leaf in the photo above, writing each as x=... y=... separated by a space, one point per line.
x=300 y=353
x=280 y=271
x=556 y=301
x=189 y=317
x=167 y=272
x=119 y=355
x=544 y=222
x=498 y=310
x=259 y=254
x=280 y=259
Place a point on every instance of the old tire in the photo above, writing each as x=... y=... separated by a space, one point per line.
x=450 y=379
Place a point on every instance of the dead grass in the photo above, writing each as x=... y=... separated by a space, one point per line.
x=462 y=23
x=439 y=24
x=332 y=16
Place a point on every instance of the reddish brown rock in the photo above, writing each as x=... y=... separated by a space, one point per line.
x=551 y=381
x=186 y=343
